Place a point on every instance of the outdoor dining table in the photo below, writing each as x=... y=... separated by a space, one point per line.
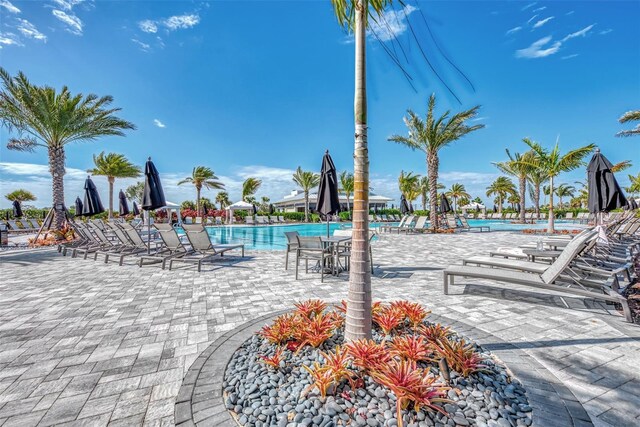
x=334 y=243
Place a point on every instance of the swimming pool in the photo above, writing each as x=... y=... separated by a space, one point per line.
x=270 y=237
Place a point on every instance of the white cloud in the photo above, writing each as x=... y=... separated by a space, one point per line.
x=392 y=23
x=540 y=9
x=68 y=4
x=158 y=122
x=179 y=22
x=580 y=33
x=143 y=46
x=513 y=30
x=573 y=55
x=531 y=19
x=148 y=26
x=541 y=22
x=537 y=50
x=529 y=5
x=74 y=24
x=571 y=12
x=9 y=39
x=9 y=7
x=607 y=31
x=29 y=30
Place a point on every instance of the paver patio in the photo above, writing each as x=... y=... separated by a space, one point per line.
x=94 y=344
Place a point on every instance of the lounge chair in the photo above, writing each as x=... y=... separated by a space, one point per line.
x=201 y=247
x=421 y=224
x=281 y=219
x=249 y=220
x=467 y=227
x=33 y=223
x=19 y=228
x=173 y=246
x=545 y=280
x=408 y=220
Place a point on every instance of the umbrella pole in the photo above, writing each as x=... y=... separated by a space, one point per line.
x=148 y=232
x=328 y=235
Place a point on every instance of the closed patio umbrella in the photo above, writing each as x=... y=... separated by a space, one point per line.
x=518 y=207
x=444 y=204
x=404 y=206
x=17 y=209
x=633 y=204
x=135 y=211
x=92 y=204
x=410 y=207
x=153 y=196
x=495 y=209
x=605 y=193
x=78 y=204
x=123 y=204
x=328 y=202
x=272 y=210
x=255 y=209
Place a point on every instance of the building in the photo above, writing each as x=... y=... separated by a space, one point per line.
x=294 y=202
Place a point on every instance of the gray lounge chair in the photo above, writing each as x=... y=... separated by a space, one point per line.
x=173 y=246
x=201 y=247
x=467 y=227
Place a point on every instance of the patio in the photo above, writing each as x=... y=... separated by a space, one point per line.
x=85 y=342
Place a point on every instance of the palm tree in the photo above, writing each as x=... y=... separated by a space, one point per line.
x=630 y=116
x=264 y=203
x=306 y=180
x=346 y=186
x=519 y=167
x=502 y=187
x=135 y=191
x=407 y=182
x=618 y=167
x=223 y=199
x=114 y=166
x=431 y=136
x=202 y=176
x=564 y=190
x=513 y=199
x=552 y=164
x=423 y=187
x=457 y=191
x=634 y=184
x=21 y=195
x=536 y=178
x=249 y=188
x=355 y=16
x=43 y=118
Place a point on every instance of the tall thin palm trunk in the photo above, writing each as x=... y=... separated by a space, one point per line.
x=500 y=205
x=198 y=200
x=550 y=224
x=536 y=200
x=358 y=321
x=306 y=206
x=111 y=180
x=56 y=167
x=432 y=172
x=523 y=195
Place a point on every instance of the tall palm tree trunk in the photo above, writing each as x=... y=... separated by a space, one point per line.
x=111 y=180
x=198 y=200
x=432 y=173
x=358 y=321
x=306 y=206
x=536 y=200
x=550 y=224
x=500 y=205
x=424 y=203
x=56 y=167
x=523 y=195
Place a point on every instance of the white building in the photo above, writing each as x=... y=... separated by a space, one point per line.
x=294 y=202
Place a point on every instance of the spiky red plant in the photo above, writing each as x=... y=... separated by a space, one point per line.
x=321 y=376
x=338 y=318
x=367 y=354
x=315 y=331
x=342 y=308
x=429 y=393
x=412 y=311
x=460 y=356
x=338 y=363
x=387 y=319
x=434 y=332
x=311 y=307
x=273 y=361
x=377 y=307
x=411 y=347
x=282 y=329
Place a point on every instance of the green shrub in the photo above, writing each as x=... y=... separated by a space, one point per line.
x=345 y=216
x=314 y=217
x=293 y=216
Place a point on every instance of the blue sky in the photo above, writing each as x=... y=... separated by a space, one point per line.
x=258 y=88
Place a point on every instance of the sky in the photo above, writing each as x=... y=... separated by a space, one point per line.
x=258 y=88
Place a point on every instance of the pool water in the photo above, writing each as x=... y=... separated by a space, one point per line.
x=270 y=237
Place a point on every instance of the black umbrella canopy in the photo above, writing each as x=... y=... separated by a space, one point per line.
x=255 y=209
x=605 y=194
x=123 y=204
x=518 y=207
x=17 y=209
x=153 y=196
x=271 y=209
x=328 y=200
x=410 y=207
x=444 y=204
x=92 y=204
x=404 y=206
x=135 y=209
x=495 y=209
x=78 y=204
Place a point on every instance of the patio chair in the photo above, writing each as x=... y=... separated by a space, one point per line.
x=312 y=249
x=467 y=227
x=173 y=246
x=249 y=220
x=33 y=223
x=451 y=222
x=421 y=224
x=407 y=221
x=19 y=228
x=188 y=220
x=343 y=250
x=201 y=247
x=281 y=219
x=607 y=290
x=292 y=245
x=198 y=220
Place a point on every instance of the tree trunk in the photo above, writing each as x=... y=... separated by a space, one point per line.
x=306 y=206
x=551 y=222
x=536 y=197
x=358 y=322
x=500 y=205
x=432 y=173
x=56 y=167
x=523 y=195
x=348 y=205
x=424 y=202
x=198 y=201
x=111 y=180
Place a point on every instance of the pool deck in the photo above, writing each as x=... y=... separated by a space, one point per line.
x=86 y=343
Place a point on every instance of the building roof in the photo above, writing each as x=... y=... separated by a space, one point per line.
x=297 y=196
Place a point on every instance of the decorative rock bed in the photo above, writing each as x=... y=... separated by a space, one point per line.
x=276 y=378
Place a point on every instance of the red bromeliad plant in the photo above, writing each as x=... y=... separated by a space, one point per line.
x=367 y=354
x=282 y=330
x=460 y=356
x=411 y=347
x=412 y=311
x=338 y=363
x=310 y=308
x=376 y=308
x=316 y=330
x=429 y=393
x=434 y=332
x=322 y=378
x=342 y=308
x=387 y=319
x=273 y=361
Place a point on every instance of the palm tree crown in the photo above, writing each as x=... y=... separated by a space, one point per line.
x=346 y=186
x=457 y=191
x=307 y=181
x=202 y=176
x=21 y=195
x=223 y=199
x=519 y=167
x=502 y=187
x=42 y=117
x=250 y=187
x=433 y=134
x=114 y=165
x=630 y=116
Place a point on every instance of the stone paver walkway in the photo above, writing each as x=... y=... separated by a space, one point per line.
x=93 y=344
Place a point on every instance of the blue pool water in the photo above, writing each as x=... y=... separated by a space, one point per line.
x=270 y=237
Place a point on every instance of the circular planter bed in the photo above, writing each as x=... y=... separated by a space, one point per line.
x=298 y=371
